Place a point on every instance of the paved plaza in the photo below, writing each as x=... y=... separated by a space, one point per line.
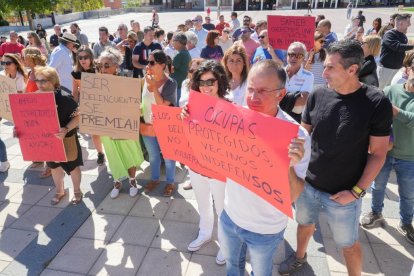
x=149 y=234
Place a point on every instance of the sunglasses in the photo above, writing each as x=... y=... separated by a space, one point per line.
x=295 y=55
x=227 y=32
x=105 y=65
x=6 y=63
x=209 y=82
x=261 y=36
x=322 y=41
x=153 y=62
x=83 y=57
x=41 y=82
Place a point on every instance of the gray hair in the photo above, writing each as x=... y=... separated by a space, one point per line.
x=181 y=38
x=191 y=37
x=112 y=54
x=298 y=44
x=269 y=65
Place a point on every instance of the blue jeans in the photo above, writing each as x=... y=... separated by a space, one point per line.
x=154 y=151
x=235 y=240
x=342 y=219
x=405 y=180
x=3 y=153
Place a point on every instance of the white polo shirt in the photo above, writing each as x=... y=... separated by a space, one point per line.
x=301 y=81
x=251 y=212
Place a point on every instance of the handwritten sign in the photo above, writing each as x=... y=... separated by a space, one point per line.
x=283 y=30
x=169 y=129
x=7 y=86
x=244 y=145
x=36 y=121
x=110 y=106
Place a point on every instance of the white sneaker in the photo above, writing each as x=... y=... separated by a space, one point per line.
x=133 y=189
x=220 y=260
x=115 y=192
x=198 y=243
x=4 y=166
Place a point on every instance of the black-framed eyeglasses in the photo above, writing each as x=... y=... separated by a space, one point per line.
x=152 y=62
x=209 y=82
x=6 y=63
x=41 y=81
x=261 y=37
x=105 y=65
x=296 y=55
x=83 y=57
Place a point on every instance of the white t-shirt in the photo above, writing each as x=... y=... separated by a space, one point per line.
x=20 y=84
x=238 y=95
x=251 y=212
x=148 y=100
x=301 y=81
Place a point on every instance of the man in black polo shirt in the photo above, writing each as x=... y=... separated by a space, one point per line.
x=54 y=39
x=393 y=47
x=350 y=124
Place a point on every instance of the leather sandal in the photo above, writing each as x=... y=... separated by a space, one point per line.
x=57 y=198
x=151 y=185
x=169 y=190
x=77 y=198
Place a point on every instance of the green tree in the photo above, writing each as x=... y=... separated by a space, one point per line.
x=133 y=3
x=30 y=7
x=79 y=5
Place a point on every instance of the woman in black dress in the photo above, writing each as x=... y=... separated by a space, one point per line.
x=47 y=79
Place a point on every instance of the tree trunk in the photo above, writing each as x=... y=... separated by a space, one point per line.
x=21 y=18
x=29 y=17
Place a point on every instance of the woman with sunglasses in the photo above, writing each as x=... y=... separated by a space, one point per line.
x=236 y=65
x=209 y=79
x=14 y=69
x=47 y=80
x=316 y=58
x=225 y=42
x=85 y=63
x=212 y=50
x=124 y=155
x=371 y=45
x=34 y=41
x=158 y=89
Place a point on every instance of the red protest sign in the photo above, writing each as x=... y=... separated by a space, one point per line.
x=244 y=145
x=283 y=30
x=174 y=145
x=36 y=121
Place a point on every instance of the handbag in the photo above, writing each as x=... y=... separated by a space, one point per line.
x=71 y=148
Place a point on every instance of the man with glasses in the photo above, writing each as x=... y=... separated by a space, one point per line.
x=400 y=158
x=208 y=25
x=247 y=23
x=324 y=26
x=222 y=24
x=104 y=42
x=350 y=124
x=300 y=80
x=246 y=42
x=61 y=60
x=200 y=32
x=12 y=47
x=248 y=222
x=142 y=51
x=260 y=26
x=266 y=51
x=393 y=47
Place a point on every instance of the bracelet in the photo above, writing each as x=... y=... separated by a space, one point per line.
x=352 y=193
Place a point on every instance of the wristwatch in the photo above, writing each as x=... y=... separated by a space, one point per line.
x=358 y=191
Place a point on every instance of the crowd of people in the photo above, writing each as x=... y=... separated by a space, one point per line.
x=353 y=97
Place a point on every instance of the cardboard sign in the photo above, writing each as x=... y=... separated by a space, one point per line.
x=246 y=146
x=174 y=144
x=7 y=86
x=36 y=120
x=283 y=30
x=110 y=106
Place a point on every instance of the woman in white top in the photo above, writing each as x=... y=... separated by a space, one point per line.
x=225 y=41
x=236 y=64
x=209 y=79
x=14 y=69
x=316 y=58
